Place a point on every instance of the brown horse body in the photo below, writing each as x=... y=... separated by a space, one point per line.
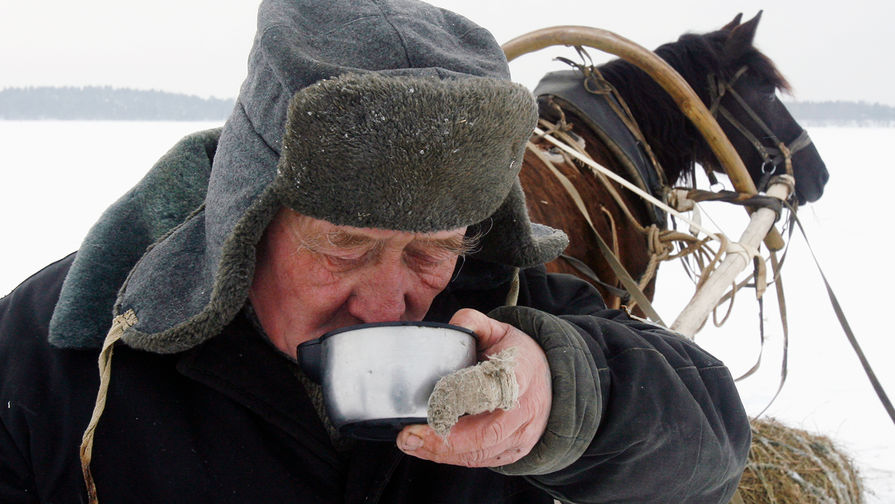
x=677 y=146
x=549 y=203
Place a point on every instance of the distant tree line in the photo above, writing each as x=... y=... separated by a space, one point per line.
x=108 y=103
x=842 y=113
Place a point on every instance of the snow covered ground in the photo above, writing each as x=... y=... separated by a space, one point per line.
x=826 y=389
x=57 y=177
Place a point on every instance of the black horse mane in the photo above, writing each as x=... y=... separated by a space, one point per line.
x=677 y=143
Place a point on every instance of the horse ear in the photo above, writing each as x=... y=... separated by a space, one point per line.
x=741 y=37
x=733 y=24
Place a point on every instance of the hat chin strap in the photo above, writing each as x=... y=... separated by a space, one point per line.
x=119 y=325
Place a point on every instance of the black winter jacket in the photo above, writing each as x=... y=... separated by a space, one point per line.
x=228 y=421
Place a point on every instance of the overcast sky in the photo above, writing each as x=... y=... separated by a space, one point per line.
x=828 y=50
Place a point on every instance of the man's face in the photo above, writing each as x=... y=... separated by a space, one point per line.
x=312 y=276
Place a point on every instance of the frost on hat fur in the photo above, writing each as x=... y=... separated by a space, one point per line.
x=407 y=153
x=188 y=274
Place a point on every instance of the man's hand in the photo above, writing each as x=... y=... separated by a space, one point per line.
x=501 y=436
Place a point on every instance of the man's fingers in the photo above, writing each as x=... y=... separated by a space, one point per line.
x=489 y=331
x=485 y=440
x=499 y=437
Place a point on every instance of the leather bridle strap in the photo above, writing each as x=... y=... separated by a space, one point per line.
x=846 y=328
x=772 y=156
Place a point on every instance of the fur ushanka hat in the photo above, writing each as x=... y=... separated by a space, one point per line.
x=400 y=116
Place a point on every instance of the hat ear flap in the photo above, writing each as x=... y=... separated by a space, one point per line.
x=509 y=237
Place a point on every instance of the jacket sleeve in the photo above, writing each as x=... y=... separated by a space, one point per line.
x=46 y=397
x=640 y=414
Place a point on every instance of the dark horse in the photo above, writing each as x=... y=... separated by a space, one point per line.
x=721 y=60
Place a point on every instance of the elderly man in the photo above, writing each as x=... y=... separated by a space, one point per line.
x=367 y=174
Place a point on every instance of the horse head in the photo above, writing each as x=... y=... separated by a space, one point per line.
x=733 y=78
x=742 y=92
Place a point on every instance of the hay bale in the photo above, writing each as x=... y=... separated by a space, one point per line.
x=788 y=465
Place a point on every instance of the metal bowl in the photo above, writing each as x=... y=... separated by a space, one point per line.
x=377 y=378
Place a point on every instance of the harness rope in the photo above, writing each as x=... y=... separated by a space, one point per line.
x=657 y=242
x=602 y=173
x=772 y=158
x=617 y=178
x=786 y=155
x=119 y=325
x=623 y=276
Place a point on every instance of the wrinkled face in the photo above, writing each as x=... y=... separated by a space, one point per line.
x=312 y=276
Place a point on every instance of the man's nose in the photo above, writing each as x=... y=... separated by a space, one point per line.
x=382 y=296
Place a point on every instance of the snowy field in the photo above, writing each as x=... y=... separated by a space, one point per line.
x=826 y=390
x=57 y=177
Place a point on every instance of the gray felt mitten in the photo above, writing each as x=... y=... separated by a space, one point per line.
x=577 y=402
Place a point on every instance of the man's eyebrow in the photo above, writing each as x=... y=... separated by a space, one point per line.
x=345 y=239
x=336 y=239
x=458 y=244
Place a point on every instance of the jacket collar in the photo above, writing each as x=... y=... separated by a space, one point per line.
x=242 y=365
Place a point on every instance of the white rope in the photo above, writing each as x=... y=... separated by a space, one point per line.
x=633 y=188
x=746 y=252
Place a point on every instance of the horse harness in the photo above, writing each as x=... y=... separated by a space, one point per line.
x=772 y=156
x=610 y=119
